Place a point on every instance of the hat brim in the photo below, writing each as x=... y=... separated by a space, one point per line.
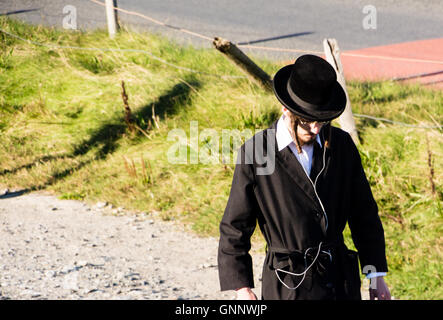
x=331 y=110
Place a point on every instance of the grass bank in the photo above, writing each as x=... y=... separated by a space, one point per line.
x=63 y=130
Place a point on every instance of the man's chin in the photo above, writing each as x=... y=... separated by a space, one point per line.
x=308 y=139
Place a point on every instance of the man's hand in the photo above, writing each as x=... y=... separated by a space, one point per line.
x=245 y=294
x=381 y=290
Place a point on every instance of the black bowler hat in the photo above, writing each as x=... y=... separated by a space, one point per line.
x=309 y=88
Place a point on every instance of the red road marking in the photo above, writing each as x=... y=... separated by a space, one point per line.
x=370 y=66
x=430 y=74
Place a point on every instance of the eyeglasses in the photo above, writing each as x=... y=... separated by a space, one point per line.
x=304 y=122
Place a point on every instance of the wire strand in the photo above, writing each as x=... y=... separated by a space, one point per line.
x=397 y=122
x=194 y=71
x=134 y=13
x=121 y=50
x=201 y=36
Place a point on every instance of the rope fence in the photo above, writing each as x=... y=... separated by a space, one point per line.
x=53 y=46
x=201 y=36
x=195 y=34
x=397 y=122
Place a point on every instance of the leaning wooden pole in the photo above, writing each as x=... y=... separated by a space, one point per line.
x=248 y=66
x=346 y=120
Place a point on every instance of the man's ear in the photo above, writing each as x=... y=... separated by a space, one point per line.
x=284 y=110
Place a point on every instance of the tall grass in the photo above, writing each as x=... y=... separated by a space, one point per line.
x=63 y=130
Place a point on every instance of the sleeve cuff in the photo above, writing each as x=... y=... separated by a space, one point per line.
x=375 y=274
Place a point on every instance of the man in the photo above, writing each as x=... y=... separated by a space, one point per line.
x=317 y=185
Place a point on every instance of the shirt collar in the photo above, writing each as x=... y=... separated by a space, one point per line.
x=283 y=136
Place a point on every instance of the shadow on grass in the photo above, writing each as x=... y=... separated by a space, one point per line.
x=32 y=164
x=362 y=125
x=105 y=139
x=107 y=136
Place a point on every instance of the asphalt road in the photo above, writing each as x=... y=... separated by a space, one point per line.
x=292 y=24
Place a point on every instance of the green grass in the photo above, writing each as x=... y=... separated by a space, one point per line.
x=62 y=130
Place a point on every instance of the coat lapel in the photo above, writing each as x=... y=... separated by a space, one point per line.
x=294 y=169
x=287 y=160
x=317 y=161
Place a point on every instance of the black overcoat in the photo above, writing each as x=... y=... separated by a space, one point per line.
x=294 y=222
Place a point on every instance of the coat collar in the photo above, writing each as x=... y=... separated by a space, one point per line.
x=283 y=136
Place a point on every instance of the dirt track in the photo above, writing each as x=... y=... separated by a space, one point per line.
x=64 y=249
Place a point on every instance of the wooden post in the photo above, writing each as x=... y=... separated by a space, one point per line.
x=129 y=120
x=110 y=17
x=117 y=17
x=346 y=120
x=248 y=66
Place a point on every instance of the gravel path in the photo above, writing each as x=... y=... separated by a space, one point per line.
x=65 y=249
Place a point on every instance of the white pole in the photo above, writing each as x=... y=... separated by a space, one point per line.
x=110 y=17
x=346 y=120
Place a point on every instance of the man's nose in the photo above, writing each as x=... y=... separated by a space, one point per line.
x=315 y=127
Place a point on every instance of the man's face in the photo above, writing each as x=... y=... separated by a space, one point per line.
x=306 y=130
